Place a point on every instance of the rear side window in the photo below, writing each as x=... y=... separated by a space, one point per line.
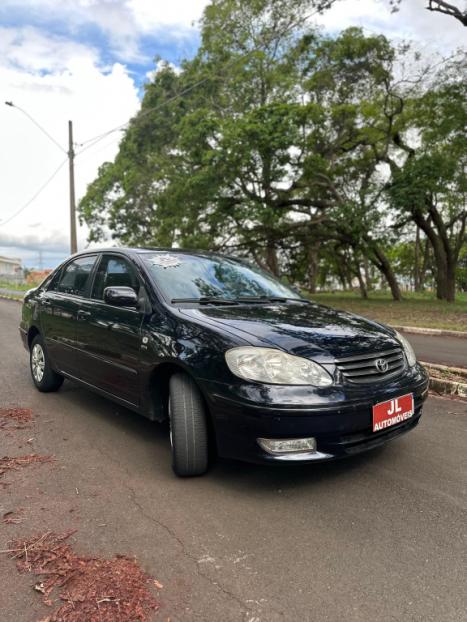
x=75 y=277
x=114 y=272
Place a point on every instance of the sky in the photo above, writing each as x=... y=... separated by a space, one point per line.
x=87 y=61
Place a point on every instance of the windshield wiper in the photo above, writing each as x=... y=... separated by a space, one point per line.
x=206 y=300
x=266 y=299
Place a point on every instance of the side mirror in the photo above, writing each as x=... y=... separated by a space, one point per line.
x=120 y=296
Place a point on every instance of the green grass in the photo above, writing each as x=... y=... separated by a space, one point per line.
x=19 y=287
x=421 y=310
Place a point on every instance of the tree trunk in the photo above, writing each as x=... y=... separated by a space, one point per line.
x=382 y=263
x=417 y=276
x=425 y=264
x=313 y=266
x=444 y=253
x=366 y=269
x=361 y=282
x=271 y=259
x=450 y=287
x=441 y=261
x=341 y=275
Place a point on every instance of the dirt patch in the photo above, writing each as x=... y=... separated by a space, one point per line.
x=91 y=588
x=14 y=464
x=15 y=418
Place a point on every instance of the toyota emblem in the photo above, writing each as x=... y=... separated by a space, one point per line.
x=381 y=365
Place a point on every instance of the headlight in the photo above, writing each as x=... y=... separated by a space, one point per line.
x=409 y=353
x=275 y=367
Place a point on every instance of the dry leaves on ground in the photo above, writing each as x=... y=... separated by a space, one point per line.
x=91 y=588
x=15 y=418
x=14 y=464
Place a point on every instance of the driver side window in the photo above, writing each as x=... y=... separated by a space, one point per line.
x=114 y=272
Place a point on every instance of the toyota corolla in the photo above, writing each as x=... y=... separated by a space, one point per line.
x=241 y=365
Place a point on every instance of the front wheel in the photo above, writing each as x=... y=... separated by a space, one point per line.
x=188 y=427
x=44 y=377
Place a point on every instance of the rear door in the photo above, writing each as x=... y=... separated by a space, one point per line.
x=58 y=308
x=109 y=337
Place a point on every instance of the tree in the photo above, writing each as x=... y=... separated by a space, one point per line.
x=440 y=6
x=279 y=143
x=428 y=164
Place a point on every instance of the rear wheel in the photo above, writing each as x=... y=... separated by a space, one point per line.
x=188 y=427
x=44 y=377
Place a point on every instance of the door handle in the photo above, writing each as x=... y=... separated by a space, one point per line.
x=46 y=303
x=82 y=315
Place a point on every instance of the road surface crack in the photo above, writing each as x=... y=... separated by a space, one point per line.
x=173 y=535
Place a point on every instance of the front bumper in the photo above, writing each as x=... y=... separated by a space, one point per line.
x=339 y=417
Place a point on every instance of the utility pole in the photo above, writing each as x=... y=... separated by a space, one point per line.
x=71 y=165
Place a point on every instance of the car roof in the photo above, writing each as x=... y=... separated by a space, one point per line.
x=127 y=250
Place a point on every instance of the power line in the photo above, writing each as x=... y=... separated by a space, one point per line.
x=37 y=124
x=36 y=194
x=99 y=137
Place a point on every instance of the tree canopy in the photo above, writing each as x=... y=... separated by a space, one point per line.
x=291 y=147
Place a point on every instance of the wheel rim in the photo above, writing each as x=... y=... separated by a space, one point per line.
x=38 y=362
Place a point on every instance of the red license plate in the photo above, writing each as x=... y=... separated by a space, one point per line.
x=392 y=412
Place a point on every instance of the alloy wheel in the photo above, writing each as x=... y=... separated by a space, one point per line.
x=38 y=362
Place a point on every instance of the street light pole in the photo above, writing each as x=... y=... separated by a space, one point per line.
x=71 y=165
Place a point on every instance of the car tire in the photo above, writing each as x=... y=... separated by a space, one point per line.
x=188 y=427
x=43 y=376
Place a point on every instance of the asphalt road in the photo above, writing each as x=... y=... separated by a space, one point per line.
x=381 y=537
x=10 y=292
x=444 y=350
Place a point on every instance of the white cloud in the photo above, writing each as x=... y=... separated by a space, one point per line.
x=123 y=21
x=31 y=50
x=181 y=13
x=54 y=80
x=432 y=31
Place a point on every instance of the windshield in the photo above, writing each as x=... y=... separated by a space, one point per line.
x=184 y=276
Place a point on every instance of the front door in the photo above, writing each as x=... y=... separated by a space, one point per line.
x=109 y=337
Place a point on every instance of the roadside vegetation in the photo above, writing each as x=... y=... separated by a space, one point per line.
x=422 y=309
x=14 y=285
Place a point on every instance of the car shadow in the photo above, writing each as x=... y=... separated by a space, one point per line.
x=271 y=477
x=108 y=411
x=247 y=477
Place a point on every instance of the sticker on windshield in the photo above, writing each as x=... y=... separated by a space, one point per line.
x=166 y=261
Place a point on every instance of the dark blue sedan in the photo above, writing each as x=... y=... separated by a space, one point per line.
x=241 y=365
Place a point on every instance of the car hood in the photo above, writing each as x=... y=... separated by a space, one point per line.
x=308 y=330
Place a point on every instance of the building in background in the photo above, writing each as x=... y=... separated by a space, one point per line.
x=11 y=269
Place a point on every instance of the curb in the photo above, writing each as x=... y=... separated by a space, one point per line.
x=453 y=388
x=438 y=332
x=15 y=298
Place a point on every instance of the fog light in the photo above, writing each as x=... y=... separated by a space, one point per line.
x=280 y=446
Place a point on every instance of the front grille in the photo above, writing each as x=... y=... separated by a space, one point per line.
x=370 y=368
